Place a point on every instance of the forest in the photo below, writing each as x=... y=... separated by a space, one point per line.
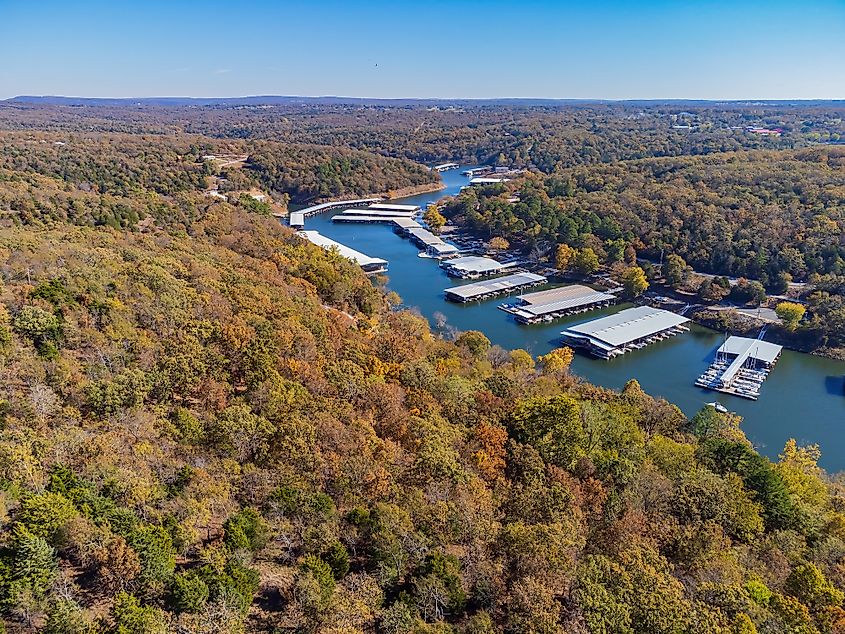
x=122 y=164
x=749 y=214
x=222 y=428
x=542 y=137
x=208 y=425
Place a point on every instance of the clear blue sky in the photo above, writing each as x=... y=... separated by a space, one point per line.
x=463 y=48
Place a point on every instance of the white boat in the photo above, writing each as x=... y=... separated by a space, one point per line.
x=718 y=407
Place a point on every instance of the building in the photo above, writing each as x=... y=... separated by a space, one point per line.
x=558 y=302
x=740 y=367
x=367 y=263
x=473 y=267
x=629 y=329
x=296 y=219
x=492 y=288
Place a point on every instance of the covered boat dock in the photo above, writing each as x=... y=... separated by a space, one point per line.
x=474 y=266
x=367 y=263
x=740 y=367
x=492 y=288
x=548 y=305
x=629 y=329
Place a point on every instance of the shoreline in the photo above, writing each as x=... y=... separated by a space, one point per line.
x=702 y=315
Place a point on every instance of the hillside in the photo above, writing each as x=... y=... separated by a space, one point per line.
x=225 y=429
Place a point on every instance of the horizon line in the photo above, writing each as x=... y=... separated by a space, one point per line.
x=22 y=97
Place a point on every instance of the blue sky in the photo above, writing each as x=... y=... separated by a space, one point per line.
x=463 y=48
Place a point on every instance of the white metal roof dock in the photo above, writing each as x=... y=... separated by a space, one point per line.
x=473 y=266
x=386 y=213
x=487 y=180
x=317 y=209
x=433 y=245
x=389 y=207
x=557 y=302
x=494 y=287
x=629 y=329
x=369 y=264
x=296 y=219
x=740 y=367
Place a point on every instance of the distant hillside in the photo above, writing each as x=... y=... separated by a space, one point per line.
x=336 y=100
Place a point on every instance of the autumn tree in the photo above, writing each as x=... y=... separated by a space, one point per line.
x=790 y=314
x=585 y=262
x=564 y=255
x=634 y=281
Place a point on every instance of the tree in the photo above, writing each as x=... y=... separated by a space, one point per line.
x=586 y=261
x=552 y=426
x=246 y=530
x=634 y=281
x=564 y=256
x=557 y=360
x=130 y=617
x=807 y=583
x=188 y=592
x=433 y=218
x=499 y=243
x=474 y=341
x=790 y=314
x=675 y=270
x=45 y=514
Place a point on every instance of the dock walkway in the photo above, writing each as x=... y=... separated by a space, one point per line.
x=740 y=366
x=480 y=291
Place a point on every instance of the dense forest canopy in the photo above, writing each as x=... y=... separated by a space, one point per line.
x=543 y=137
x=209 y=425
x=119 y=164
x=753 y=214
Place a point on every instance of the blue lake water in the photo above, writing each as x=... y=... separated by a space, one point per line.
x=802 y=398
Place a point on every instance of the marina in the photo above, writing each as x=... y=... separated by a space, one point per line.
x=481 y=291
x=629 y=329
x=445 y=167
x=395 y=207
x=322 y=207
x=473 y=267
x=367 y=263
x=379 y=213
x=548 y=305
x=740 y=367
x=665 y=369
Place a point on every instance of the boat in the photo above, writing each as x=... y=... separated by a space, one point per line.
x=718 y=407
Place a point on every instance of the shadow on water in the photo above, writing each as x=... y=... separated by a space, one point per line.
x=835 y=385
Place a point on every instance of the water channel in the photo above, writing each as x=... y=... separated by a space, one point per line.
x=802 y=398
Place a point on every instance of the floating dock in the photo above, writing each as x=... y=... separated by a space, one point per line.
x=391 y=207
x=473 y=267
x=477 y=171
x=444 y=167
x=383 y=213
x=488 y=180
x=740 y=367
x=318 y=209
x=493 y=288
x=548 y=305
x=629 y=329
x=367 y=263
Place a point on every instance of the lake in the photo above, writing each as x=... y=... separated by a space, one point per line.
x=802 y=398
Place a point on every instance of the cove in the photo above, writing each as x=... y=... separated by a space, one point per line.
x=802 y=398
